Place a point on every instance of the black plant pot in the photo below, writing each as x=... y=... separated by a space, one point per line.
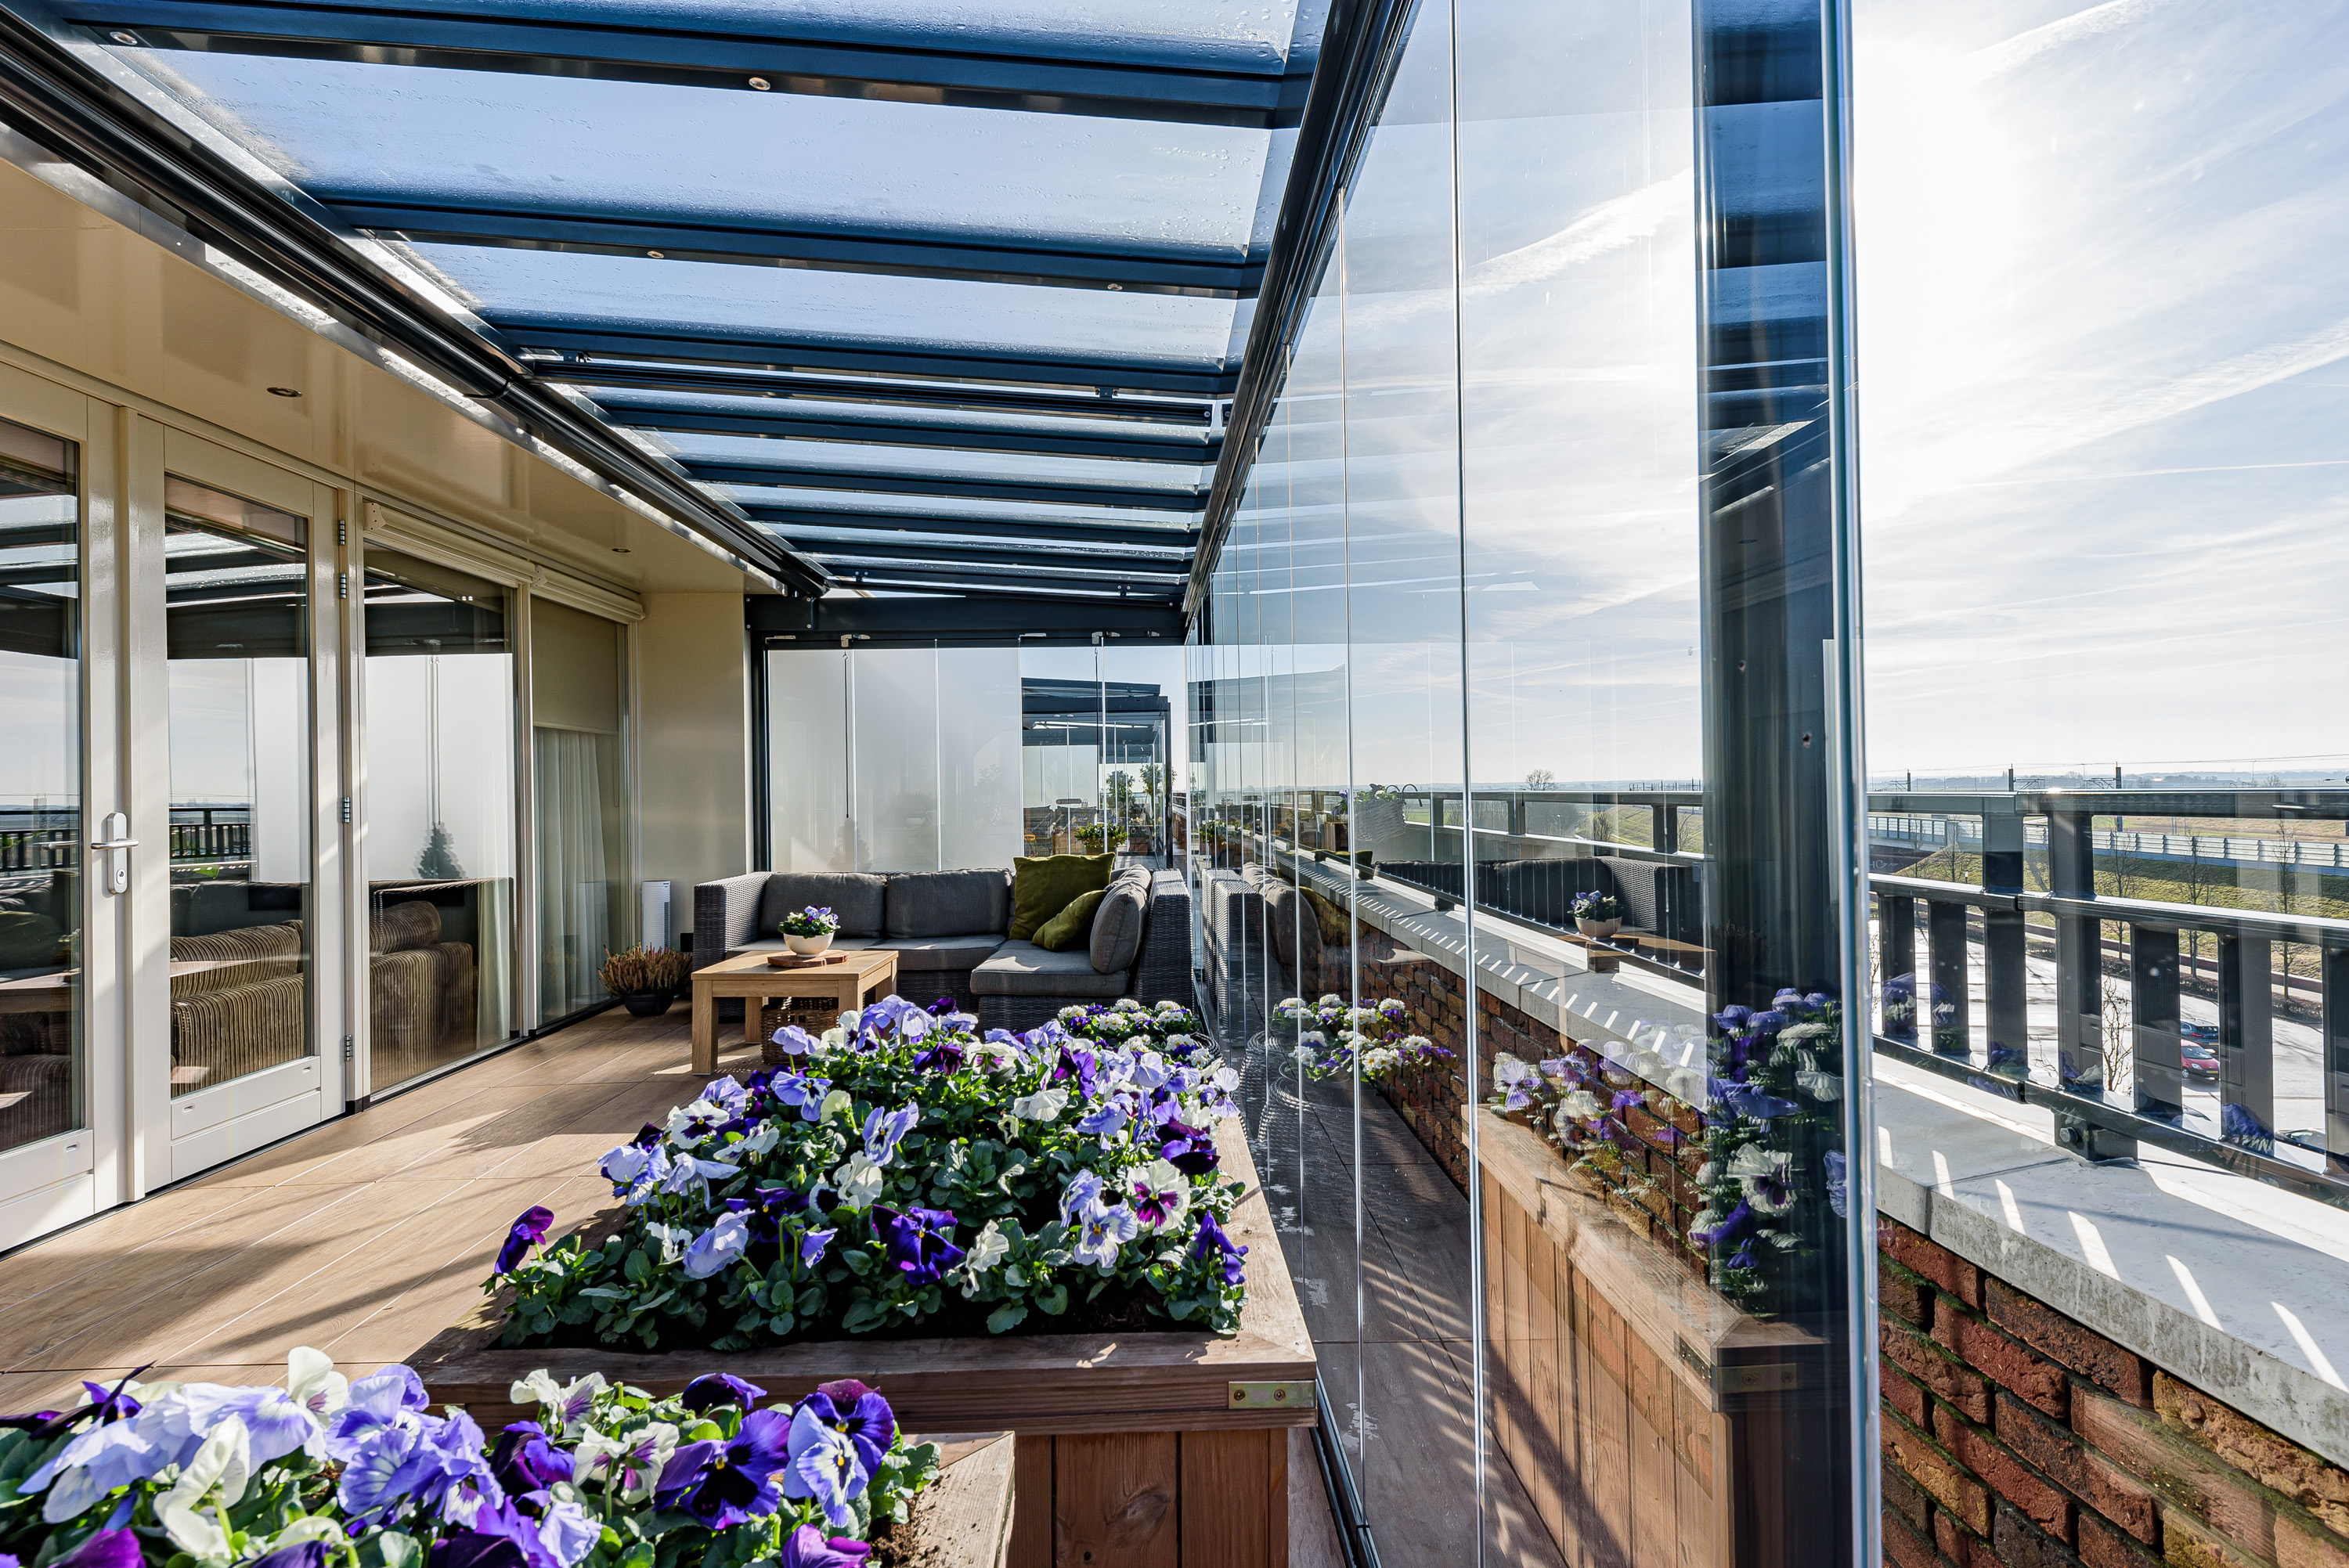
x=647 y=1003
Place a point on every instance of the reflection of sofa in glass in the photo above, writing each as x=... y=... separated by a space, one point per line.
x=238 y=993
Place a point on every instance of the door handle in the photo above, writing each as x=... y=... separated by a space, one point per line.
x=116 y=844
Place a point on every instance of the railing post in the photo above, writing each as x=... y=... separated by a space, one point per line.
x=2079 y=983
x=2158 y=1067
x=1949 y=1012
x=2005 y=999
x=1665 y=828
x=2247 y=1040
x=2335 y=971
x=1896 y=936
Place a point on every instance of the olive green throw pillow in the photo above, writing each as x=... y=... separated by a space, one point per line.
x=1073 y=925
x=1043 y=885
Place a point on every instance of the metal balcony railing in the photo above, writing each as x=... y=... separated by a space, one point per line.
x=2014 y=989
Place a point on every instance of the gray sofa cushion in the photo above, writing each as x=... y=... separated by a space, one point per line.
x=949 y=903
x=1024 y=969
x=1117 y=923
x=921 y=954
x=855 y=896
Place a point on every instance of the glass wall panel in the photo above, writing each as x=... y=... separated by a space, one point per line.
x=440 y=816
x=43 y=1001
x=894 y=760
x=237 y=620
x=580 y=794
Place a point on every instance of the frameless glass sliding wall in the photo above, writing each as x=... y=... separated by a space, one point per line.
x=43 y=998
x=441 y=800
x=580 y=795
x=1524 y=758
x=237 y=612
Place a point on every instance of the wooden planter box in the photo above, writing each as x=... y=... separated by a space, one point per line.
x=1649 y=1418
x=1135 y=1450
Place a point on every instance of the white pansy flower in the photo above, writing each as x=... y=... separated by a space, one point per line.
x=1044 y=1105
x=859 y=1180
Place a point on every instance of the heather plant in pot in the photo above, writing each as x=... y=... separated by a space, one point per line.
x=646 y=979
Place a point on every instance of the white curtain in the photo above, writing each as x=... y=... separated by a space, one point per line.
x=574 y=923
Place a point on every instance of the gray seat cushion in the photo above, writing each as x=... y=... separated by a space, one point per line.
x=949 y=903
x=857 y=897
x=1024 y=969
x=920 y=955
x=1117 y=923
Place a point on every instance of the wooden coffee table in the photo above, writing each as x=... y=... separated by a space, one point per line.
x=860 y=972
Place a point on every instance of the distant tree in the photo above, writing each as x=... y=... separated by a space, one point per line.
x=1540 y=778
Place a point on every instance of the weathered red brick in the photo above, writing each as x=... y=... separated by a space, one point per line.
x=2264 y=1524
x=1904 y=1394
x=2188 y=1542
x=1961 y=1545
x=2019 y=1543
x=2101 y=1546
x=2080 y=1471
x=2084 y=1351
x=1936 y=1369
x=1974 y=1341
x=1903 y=1495
x=1935 y=1262
x=1904 y=1547
x=1904 y=1294
x=2046 y=1506
x=2267 y=1457
x=1942 y=1477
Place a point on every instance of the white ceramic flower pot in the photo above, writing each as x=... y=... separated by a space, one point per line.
x=1598 y=930
x=808 y=946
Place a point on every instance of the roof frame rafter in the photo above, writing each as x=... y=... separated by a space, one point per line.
x=731 y=381
x=872 y=359
x=883 y=482
x=738 y=62
x=913 y=428
x=914 y=524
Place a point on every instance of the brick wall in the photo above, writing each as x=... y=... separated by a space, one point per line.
x=2014 y=1436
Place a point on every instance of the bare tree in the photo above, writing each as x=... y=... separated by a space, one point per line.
x=2117 y=1020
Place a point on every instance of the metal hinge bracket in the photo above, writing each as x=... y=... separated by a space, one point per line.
x=1270 y=1396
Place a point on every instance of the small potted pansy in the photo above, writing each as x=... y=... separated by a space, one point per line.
x=1597 y=915
x=808 y=932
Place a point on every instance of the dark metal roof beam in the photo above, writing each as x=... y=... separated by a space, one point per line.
x=982 y=615
x=986 y=555
x=810 y=422
x=819 y=389
x=1043 y=530
x=873 y=359
x=481 y=39
x=863 y=573
x=886 y=482
x=893 y=255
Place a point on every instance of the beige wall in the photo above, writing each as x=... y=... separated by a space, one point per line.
x=693 y=760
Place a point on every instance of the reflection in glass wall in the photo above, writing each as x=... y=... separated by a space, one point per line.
x=440 y=816
x=579 y=768
x=1536 y=570
x=1093 y=756
x=42 y=1000
x=237 y=612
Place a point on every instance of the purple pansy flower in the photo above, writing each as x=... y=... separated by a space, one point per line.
x=528 y=1231
x=1190 y=1150
x=106 y=1549
x=714 y=1388
x=721 y=1482
x=1212 y=1238
x=302 y=1554
x=945 y=1057
x=813 y=1243
x=858 y=1412
x=802 y=1092
x=921 y=1241
x=806 y=1547
x=525 y=1461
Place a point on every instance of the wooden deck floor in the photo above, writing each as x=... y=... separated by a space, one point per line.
x=363 y=1237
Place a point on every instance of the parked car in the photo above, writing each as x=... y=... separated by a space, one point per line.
x=2201 y=1061
x=2195 y=1029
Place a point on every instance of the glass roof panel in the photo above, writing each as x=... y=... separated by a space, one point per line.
x=1241 y=35
x=520 y=290
x=693 y=448
x=409 y=136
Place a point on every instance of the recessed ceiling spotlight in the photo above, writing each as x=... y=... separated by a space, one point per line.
x=622 y=550
x=759 y=83
x=283 y=392
x=120 y=37
x=655 y=256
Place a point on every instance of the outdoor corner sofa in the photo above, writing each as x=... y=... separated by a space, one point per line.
x=951 y=933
